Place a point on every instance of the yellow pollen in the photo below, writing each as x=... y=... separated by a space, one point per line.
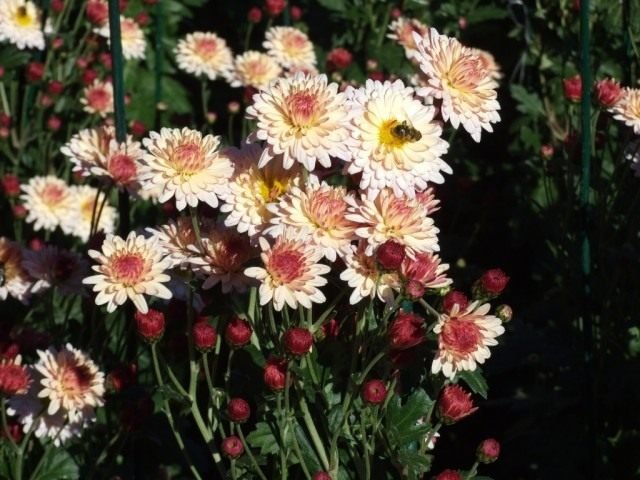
x=272 y=190
x=22 y=17
x=388 y=138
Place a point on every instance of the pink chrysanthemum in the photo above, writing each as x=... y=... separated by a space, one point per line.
x=47 y=201
x=291 y=272
x=461 y=79
x=627 y=109
x=426 y=270
x=98 y=98
x=304 y=119
x=176 y=239
x=401 y=219
x=14 y=377
x=464 y=338
x=320 y=209
x=204 y=53
x=51 y=266
x=254 y=69
x=397 y=144
x=129 y=269
x=185 y=165
x=290 y=47
x=402 y=30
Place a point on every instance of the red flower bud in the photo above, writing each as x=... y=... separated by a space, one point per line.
x=390 y=255
x=57 y=43
x=274 y=7
x=298 y=341
x=379 y=76
x=204 y=336
x=238 y=332
x=82 y=63
x=137 y=128
x=546 y=151
x=15 y=430
x=494 y=281
x=449 y=475
x=608 y=92
x=122 y=377
x=233 y=107
x=88 y=76
x=488 y=451
x=396 y=13
x=143 y=19
x=321 y=476
x=296 y=13
x=339 y=59
x=573 y=88
x=452 y=298
x=5 y=120
x=374 y=392
x=455 y=404
x=55 y=87
x=54 y=123
x=35 y=72
x=275 y=373
x=36 y=244
x=10 y=185
x=255 y=15
x=150 y=325
x=57 y=5
x=462 y=23
x=46 y=100
x=232 y=447
x=105 y=60
x=238 y=410
x=14 y=379
x=406 y=331
x=97 y=12
x=19 y=211
x=331 y=329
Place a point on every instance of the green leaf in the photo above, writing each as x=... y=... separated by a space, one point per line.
x=416 y=463
x=306 y=450
x=335 y=5
x=475 y=381
x=264 y=439
x=488 y=12
x=57 y=464
x=407 y=415
x=528 y=102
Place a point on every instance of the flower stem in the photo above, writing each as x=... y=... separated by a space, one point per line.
x=249 y=453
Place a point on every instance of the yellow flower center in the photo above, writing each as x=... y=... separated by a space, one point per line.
x=395 y=134
x=272 y=190
x=23 y=18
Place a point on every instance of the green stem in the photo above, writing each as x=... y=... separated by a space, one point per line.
x=252 y=459
x=472 y=472
x=315 y=436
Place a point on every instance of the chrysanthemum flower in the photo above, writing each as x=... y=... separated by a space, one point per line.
x=428 y=200
x=304 y=119
x=87 y=204
x=204 y=53
x=426 y=270
x=88 y=148
x=402 y=30
x=320 y=209
x=176 y=238
x=21 y=24
x=222 y=259
x=460 y=77
x=15 y=280
x=132 y=36
x=14 y=377
x=252 y=189
x=489 y=62
x=186 y=165
x=129 y=268
x=289 y=46
x=291 y=272
x=397 y=144
x=254 y=69
x=51 y=266
x=627 y=109
x=98 y=98
x=47 y=200
x=362 y=274
x=388 y=217
x=464 y=338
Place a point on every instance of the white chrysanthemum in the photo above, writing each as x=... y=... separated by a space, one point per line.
x=401 y=219
x=204 y=53
x=98 y=98
x=15 y=280
x=47 y=200
x=51 y=266
x=66 y=388
x=464 y=338
x=95 y=151
x=627 y=110
x=88 y=204
x=132 y=36
x=254 y=69
x=426 y=270
x=402 y=30
x=304 y=119
x=176 y=238
x=291 y=272
x=21 y=24
x=320 y=209
x=362 y=274
x=252 y=189
x=460 y=77
x=222 y=259
x=128 y=269
x=290 y=47
x=187 y=166
x=397 y=144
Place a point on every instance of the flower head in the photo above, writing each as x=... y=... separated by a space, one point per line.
x=51 y=266
x=14 y=377
x=177 y=239
x=290 y=47
x=291 y=273
x=254 y=69
x=298 y=341
x=454 y=404
x=150 y=325
x=88 y=204
x=238 y=332
x=402 y=30
x=128 y=269
x=132 y=37
x=573 y=88
x=98 y=98
x=204 y=53
x=460 y=77
x=185 y=165
x=397 y=144
x=21 y=24
x=15 y=279
x=464 y=338
x=303 y=118
x=426 y=270
x=47 y=200
x=627 y=109
x=238 y=410
x=374 y=392
x=488 y=450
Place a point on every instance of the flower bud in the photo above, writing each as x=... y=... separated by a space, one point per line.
x=298 y=341
x=97 y=12
x=233 y=107
x=493 y=282
x=35 y=72
x=396 y=13
x=455 y=404
x=88 y=76
x=232 y=447
x=296 y=13
x=106 y=60
x=372 y=65
x=449 y=475
x=14 y=378
x=390 y=255
x=55 y=87
x=608 y=92
x=150 y=325
x=10 y=185
x=143 y=19
x=339 y=59
x=274 y=7
x=204 y=336
x=82 y=63
x=452 y=298
x=462 y=23
x=1 y=71
x=321 y=476
x=254 y=15
x=238 y=410
x=238 y=332
x=504 y=313
x=275 y=373
x=137 y=128
x=488 y=451
x=54 y=123
x=573 y=88
x=5 y=120
x=374 y=392
x=36 y=244
x=19 y=211
x=57 y=43
x=122 y=377
x=546 y=151
x=406 y=331
x=57 y=5
x=331 y=329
